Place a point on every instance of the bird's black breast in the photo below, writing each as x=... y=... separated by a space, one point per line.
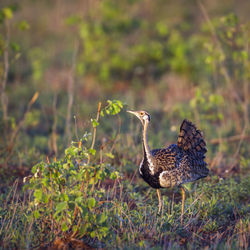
x=152 y=180
x=163 y=160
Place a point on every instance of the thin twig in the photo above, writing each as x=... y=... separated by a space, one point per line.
x=4 y=99
x=83 y=181
x=54 y=126
x=230 y=139
x=94 y=133
x=76 y=132
x=238 y=149
x=246 y=86
x=71 y=85
x=92 y=146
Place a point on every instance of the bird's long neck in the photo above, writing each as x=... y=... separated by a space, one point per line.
x=145 y=142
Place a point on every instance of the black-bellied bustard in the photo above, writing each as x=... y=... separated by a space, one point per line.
x=176 y=164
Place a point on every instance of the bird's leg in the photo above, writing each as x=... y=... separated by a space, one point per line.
x=182 y=203
x=159 y=197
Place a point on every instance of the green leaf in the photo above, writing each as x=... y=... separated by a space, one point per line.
x=23 y=25
x=81 y=68
x=104 y=230
x=114 y=107
x=161 y=28
x=92 y=151
x=92 y=234
x=95 y=123
x=83 y=228
x=220 y=116
x=101 y=218
x=36 y=214
x=74 y=19
x=38 y=194
x=15 y=46
x=119 y=103
x=244 y=54
x=45 y=198
x=66 y=197
x=7 y=13
x=61 y=206
x=83 y=209
x=64 y=226
x=92 y=180
x=91 y=202
x=114 y=175
x=192 y=103
x=110 y=155
x=78 y=200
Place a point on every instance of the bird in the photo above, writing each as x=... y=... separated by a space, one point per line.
x=176 y=164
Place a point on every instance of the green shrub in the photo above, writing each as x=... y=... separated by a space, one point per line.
x=69 y=195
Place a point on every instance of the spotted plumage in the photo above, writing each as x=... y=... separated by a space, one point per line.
x=177 y=164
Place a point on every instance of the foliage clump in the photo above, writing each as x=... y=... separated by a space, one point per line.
x=70 y=193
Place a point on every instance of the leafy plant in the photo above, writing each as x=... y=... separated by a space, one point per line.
x=69 y=194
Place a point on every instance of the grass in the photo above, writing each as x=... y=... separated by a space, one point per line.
x=216 y=217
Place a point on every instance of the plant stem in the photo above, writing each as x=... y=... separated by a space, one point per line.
x=82 y=184
x=94 y=133
x=54 y=126
x=71 y=84
x=92 y=146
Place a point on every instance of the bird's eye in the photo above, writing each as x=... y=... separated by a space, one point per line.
x=141 y=113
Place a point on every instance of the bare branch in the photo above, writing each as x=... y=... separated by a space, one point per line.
x=4 y=99
x=233 y=138
x=71 y=85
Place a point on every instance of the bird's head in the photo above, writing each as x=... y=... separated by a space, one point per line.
x=142 y=115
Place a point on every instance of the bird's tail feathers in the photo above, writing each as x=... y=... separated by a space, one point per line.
x=191 y=139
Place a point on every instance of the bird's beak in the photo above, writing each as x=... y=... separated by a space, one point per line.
x=133 y=113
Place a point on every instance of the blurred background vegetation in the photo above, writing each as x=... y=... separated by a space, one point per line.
x=175 y=59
